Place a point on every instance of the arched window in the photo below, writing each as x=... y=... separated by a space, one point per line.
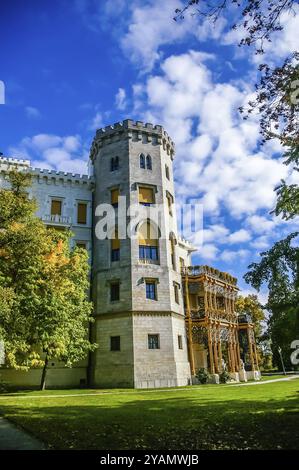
x=142 y=161
x=148 y=162
x=148 y=240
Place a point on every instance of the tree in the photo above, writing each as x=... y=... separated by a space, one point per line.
x=279 y=270
x=250 y=305
x=44 y=306
x=258 y=19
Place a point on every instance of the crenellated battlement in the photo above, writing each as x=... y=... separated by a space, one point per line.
x=14 y=162
x=40 y=173
x=135 y=130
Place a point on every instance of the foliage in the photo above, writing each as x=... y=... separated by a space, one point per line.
x=257 y=19
x=45 y=310
x=202 y=376
x=250 y=305
x=279 y=270
x=224 y=377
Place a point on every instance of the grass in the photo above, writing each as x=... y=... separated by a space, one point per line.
x=202 y=417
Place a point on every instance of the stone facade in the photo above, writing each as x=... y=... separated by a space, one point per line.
x=141 y=339
x=133 y=317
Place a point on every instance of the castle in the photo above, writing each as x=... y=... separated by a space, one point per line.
x=158 y=319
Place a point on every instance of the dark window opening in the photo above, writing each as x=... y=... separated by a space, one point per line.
x=151 y=290
x=142 y=161
x=114 y=291
x=148 y=252
x=149 y=162
x=114 y=343
x=153 y=342
x=115 y=254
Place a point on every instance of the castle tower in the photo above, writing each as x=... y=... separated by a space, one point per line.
x=138 y=298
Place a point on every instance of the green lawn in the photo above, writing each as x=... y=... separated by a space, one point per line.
x=202 y=417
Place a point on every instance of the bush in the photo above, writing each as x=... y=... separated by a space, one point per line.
x=224 y=377
x=3 y=386
x=202 y=376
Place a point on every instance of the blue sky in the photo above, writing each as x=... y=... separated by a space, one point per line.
x=70 y=67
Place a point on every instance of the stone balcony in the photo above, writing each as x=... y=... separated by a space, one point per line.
x=61 y=220
x=148 y=261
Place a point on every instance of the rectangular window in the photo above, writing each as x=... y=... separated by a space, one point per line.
x=114 y=291
x=151 y=290
x=114 y=343
x=56 y=207
x=148 y=252
x=180 y=342
x=167 y=172
x=115 y=247
x=176 y=293
x=182 y=263
x=153 y=342
x=82 y=213
x=146 y=196
x=114 y=164
x=115 y=255
x=114 y=197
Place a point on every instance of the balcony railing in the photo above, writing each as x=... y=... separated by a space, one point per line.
x=148 y=261
x=209 y=271
x=56 y=219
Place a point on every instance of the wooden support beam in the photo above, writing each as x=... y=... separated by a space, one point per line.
x=216 y=361
x=211 y=356
x=189 y=327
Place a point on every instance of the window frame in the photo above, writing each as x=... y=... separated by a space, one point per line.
x=153 y=190
x=114 y=163
x=148 y=162
x=150 y=337
x=116 y=346
x=167 y=173
x=149 y=283
x=112 y=285
x=55 y=200
x=82 y=203
x=176 y=288
x=142 y=161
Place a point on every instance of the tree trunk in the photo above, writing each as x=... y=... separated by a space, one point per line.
x=44 y=373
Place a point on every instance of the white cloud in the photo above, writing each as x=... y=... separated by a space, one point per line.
x=260 y=224
x=221 y=161
x=240 y=236
x=96 y=122
x=32 y=113
x=230 y=256
x=120 y=99
x=64 y=153
x=150 y=27
x=208 y=252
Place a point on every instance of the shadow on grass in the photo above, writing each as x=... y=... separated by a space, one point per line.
x=171 y=423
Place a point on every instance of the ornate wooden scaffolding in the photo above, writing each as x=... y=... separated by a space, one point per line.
x=212 y=322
